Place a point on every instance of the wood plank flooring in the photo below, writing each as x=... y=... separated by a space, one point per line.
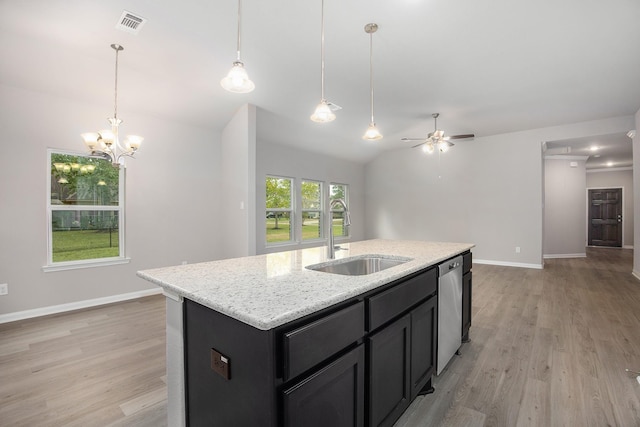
x=548 y=348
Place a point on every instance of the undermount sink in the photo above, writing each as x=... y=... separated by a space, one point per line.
x=359 y=266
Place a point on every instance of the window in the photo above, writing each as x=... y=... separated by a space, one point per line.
x=296 y=212
x=85 y=208
x=312 y=218
x=339 y=191
x=279 y=209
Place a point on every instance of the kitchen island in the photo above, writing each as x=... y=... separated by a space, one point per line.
x=249 y=340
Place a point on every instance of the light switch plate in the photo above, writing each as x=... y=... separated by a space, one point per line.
x=4 y=289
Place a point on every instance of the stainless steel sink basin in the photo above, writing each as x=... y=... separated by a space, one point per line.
x=358 y=266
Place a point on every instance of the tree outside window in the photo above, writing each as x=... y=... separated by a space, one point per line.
x=312 y=218
x=279 y=209
x=85 y=206
x=339 y=191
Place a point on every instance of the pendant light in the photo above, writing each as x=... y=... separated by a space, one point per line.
x=106 y=143
x=237 y=81
x=323 y=112
x=372 y=133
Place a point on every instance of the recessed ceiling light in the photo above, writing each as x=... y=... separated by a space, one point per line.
x=596 y=155
x=609 y=164
x=593 y=148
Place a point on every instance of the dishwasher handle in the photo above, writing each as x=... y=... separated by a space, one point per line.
x=448 y=266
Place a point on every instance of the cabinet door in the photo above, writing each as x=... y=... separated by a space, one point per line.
x=424 y=326
x=466 y=305
x=333 y=396
x=389 y=371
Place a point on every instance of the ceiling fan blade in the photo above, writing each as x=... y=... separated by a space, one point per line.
x=418 y=145
x=413 y=139
x=470 y=135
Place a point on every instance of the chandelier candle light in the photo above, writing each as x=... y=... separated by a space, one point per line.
x=322 y=113
x=237 y=81
x=105 y=144
x=372 y=133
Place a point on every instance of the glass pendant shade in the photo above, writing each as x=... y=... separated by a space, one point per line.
x=90 y=139
x=443 y=146
x=372 y=133
x=323 y=113
x=133 y=142
x=237 y=81
x=428 y=148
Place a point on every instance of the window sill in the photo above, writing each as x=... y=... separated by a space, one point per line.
x=75 y=265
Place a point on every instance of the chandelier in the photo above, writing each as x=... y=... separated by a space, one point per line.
x=105 y=143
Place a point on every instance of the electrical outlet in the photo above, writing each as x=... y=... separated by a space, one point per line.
x=220 y=364
x=517 y=249
x=4 y=289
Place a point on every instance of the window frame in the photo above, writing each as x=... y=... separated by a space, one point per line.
x=120 y=209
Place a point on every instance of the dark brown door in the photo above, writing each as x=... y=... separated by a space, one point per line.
x=605 y=217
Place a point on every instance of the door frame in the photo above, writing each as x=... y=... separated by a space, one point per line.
x=608 y=187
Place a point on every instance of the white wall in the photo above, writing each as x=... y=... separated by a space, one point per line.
x=275 y=159
x=564 y=202
x=617 y=179
x=171 y=204
x=636 y=195
x=238 y=190
x=490 y=192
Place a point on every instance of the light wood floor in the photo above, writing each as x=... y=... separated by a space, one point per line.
x=548 y=348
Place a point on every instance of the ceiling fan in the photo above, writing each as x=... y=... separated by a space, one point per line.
x=436 y=139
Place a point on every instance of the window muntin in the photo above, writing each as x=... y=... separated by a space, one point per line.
x=85 y=206
x=279 y=209
x=312 y=217
x=338 y=191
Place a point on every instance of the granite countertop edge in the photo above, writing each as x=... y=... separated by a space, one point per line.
x=267 y=291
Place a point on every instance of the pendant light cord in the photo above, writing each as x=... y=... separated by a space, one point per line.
x=115 y=103
x=239 y=25
x=371 y=70
x=322 y=52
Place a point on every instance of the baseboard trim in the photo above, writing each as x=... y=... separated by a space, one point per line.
x=508 y=264
x=553 y=256
x=61 y=308
x=627 y=247
x=636 y=274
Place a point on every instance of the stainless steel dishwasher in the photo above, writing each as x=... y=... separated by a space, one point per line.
x=449 y=311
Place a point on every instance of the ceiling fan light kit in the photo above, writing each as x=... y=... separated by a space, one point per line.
x=436 y=139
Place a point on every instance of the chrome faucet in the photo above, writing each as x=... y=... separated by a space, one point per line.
x=331 y=249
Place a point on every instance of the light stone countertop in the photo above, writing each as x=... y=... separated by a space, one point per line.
x=266 y=291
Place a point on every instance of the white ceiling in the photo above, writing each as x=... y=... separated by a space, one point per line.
x=488 y=66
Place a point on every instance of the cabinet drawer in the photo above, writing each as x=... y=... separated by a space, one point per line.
x=392 y=302
x=312 y=343
x=466 y=263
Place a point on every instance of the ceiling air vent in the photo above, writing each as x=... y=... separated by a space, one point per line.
x=130 y=23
